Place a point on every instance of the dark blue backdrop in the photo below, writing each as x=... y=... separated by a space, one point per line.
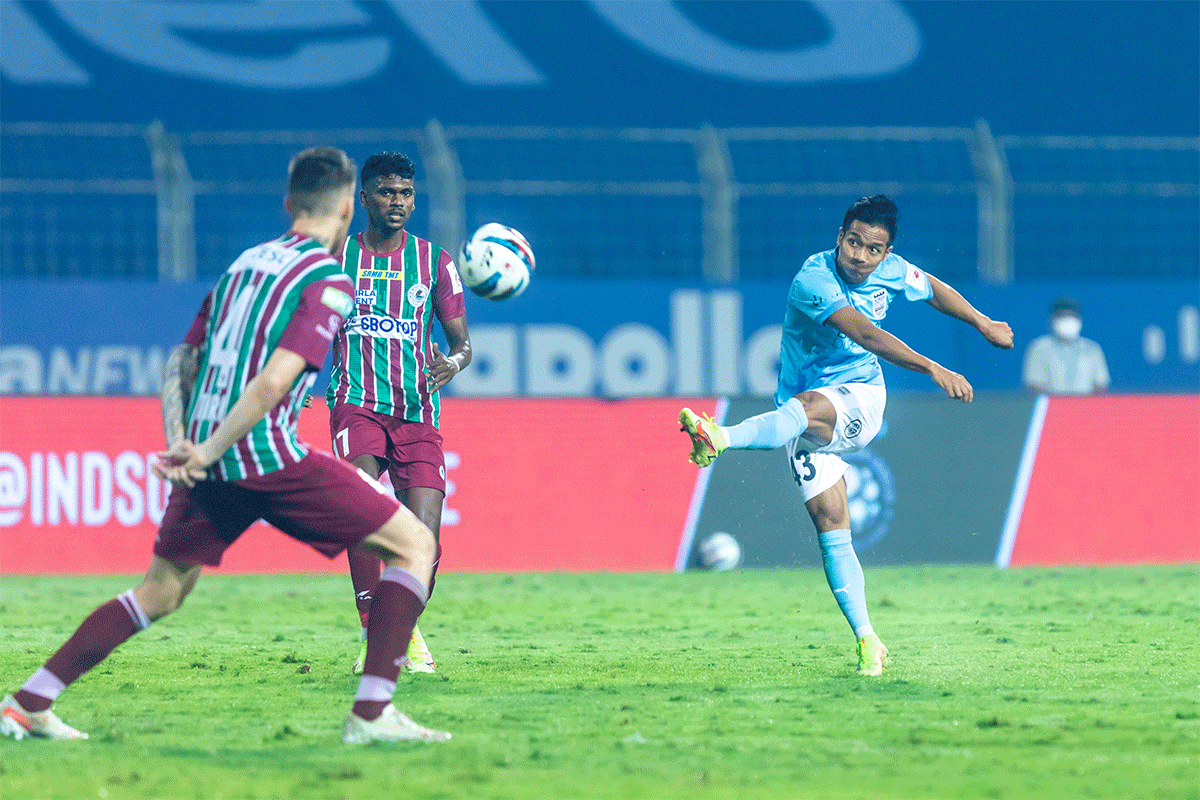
x=1086 y=67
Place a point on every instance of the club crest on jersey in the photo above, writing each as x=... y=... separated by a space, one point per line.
x=385 y=327
x=879 y=302
x=364 y=297
x=853 y=428
x=417 y=294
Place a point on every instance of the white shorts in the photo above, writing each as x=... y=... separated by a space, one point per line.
x=859 y=408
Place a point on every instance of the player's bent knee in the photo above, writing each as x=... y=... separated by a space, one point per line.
x=157 y=600
x=406 y=538
x=165 y=586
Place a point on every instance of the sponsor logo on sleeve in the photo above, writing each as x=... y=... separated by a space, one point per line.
x=455 y=279
x=338 y=300
x=915 y=278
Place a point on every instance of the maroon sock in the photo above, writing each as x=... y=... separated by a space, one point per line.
x=98 y=635
x=364 y=574
x=398 y=602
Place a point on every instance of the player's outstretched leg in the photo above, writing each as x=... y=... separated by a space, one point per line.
x=708 y=438
x=872 y=655
x=18 y=722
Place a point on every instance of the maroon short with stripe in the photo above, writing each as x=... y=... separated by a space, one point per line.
x=412 y=450
x=321 y=501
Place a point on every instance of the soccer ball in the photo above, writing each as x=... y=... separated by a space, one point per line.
x=720 y=552
x=496 y=262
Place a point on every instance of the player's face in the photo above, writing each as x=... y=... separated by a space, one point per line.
x=389 y=202
x=861 y=248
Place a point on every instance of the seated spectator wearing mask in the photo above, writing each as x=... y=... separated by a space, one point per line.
x=1063 y=362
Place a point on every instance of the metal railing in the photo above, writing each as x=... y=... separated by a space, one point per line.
x=709 y=204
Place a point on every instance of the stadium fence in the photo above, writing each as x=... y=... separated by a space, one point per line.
x=704 y=204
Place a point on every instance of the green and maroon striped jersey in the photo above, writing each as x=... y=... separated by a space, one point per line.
x=382 y=351
x=286 y=293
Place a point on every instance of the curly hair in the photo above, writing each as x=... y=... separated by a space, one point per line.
x=387 y=163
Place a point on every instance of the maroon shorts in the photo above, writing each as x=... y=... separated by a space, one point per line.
x=411 y=450
x=323 y=502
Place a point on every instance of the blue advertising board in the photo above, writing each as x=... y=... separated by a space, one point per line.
x=1054 y=67
x=611 y=338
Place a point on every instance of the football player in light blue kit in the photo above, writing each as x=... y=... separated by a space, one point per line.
x=830 y=397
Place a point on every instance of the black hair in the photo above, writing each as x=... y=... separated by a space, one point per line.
x=387 y=163
x=1068 y=304
x=878 y=210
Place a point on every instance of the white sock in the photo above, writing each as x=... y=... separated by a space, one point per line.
x=770 y=430
x=845 y=577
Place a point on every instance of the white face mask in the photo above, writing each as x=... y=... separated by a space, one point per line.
x=1067 y=327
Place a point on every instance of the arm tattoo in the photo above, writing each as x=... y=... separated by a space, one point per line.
x=179 y=377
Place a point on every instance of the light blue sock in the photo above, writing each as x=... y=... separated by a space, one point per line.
x=770 y=430
x=845 y=577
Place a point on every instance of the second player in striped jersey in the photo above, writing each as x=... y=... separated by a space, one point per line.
x=384 y=390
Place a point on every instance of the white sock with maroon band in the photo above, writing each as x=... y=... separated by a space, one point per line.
x=770 y=430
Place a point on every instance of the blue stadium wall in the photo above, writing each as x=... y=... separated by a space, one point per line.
x=610 y=339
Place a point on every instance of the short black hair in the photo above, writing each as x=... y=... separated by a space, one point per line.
x=388 y=162
x=1067 y=304
x=315 y=176
x=878 y=210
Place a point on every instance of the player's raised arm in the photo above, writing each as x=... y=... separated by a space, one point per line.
x=947 y=300
x=854 y=325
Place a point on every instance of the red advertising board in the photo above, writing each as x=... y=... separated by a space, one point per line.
x=534 y=485
x=1116 y=480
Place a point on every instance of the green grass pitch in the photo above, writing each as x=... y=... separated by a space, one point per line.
x=1024 y=683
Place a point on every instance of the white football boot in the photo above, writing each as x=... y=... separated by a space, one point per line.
x=18 y=723
x=390 y=726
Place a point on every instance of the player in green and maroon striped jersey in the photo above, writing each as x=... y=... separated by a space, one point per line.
x=387 y=370
x=242 y=373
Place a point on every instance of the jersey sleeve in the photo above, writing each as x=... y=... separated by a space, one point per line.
x=816 y=294
x=195 y=334
x=448 y=299
x=916 y=283
x=318 y=316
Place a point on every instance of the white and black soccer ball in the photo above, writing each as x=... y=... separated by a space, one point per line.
x=720 y=552
x=496 y=262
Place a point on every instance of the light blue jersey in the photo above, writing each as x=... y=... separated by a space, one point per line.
x=812 y=354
